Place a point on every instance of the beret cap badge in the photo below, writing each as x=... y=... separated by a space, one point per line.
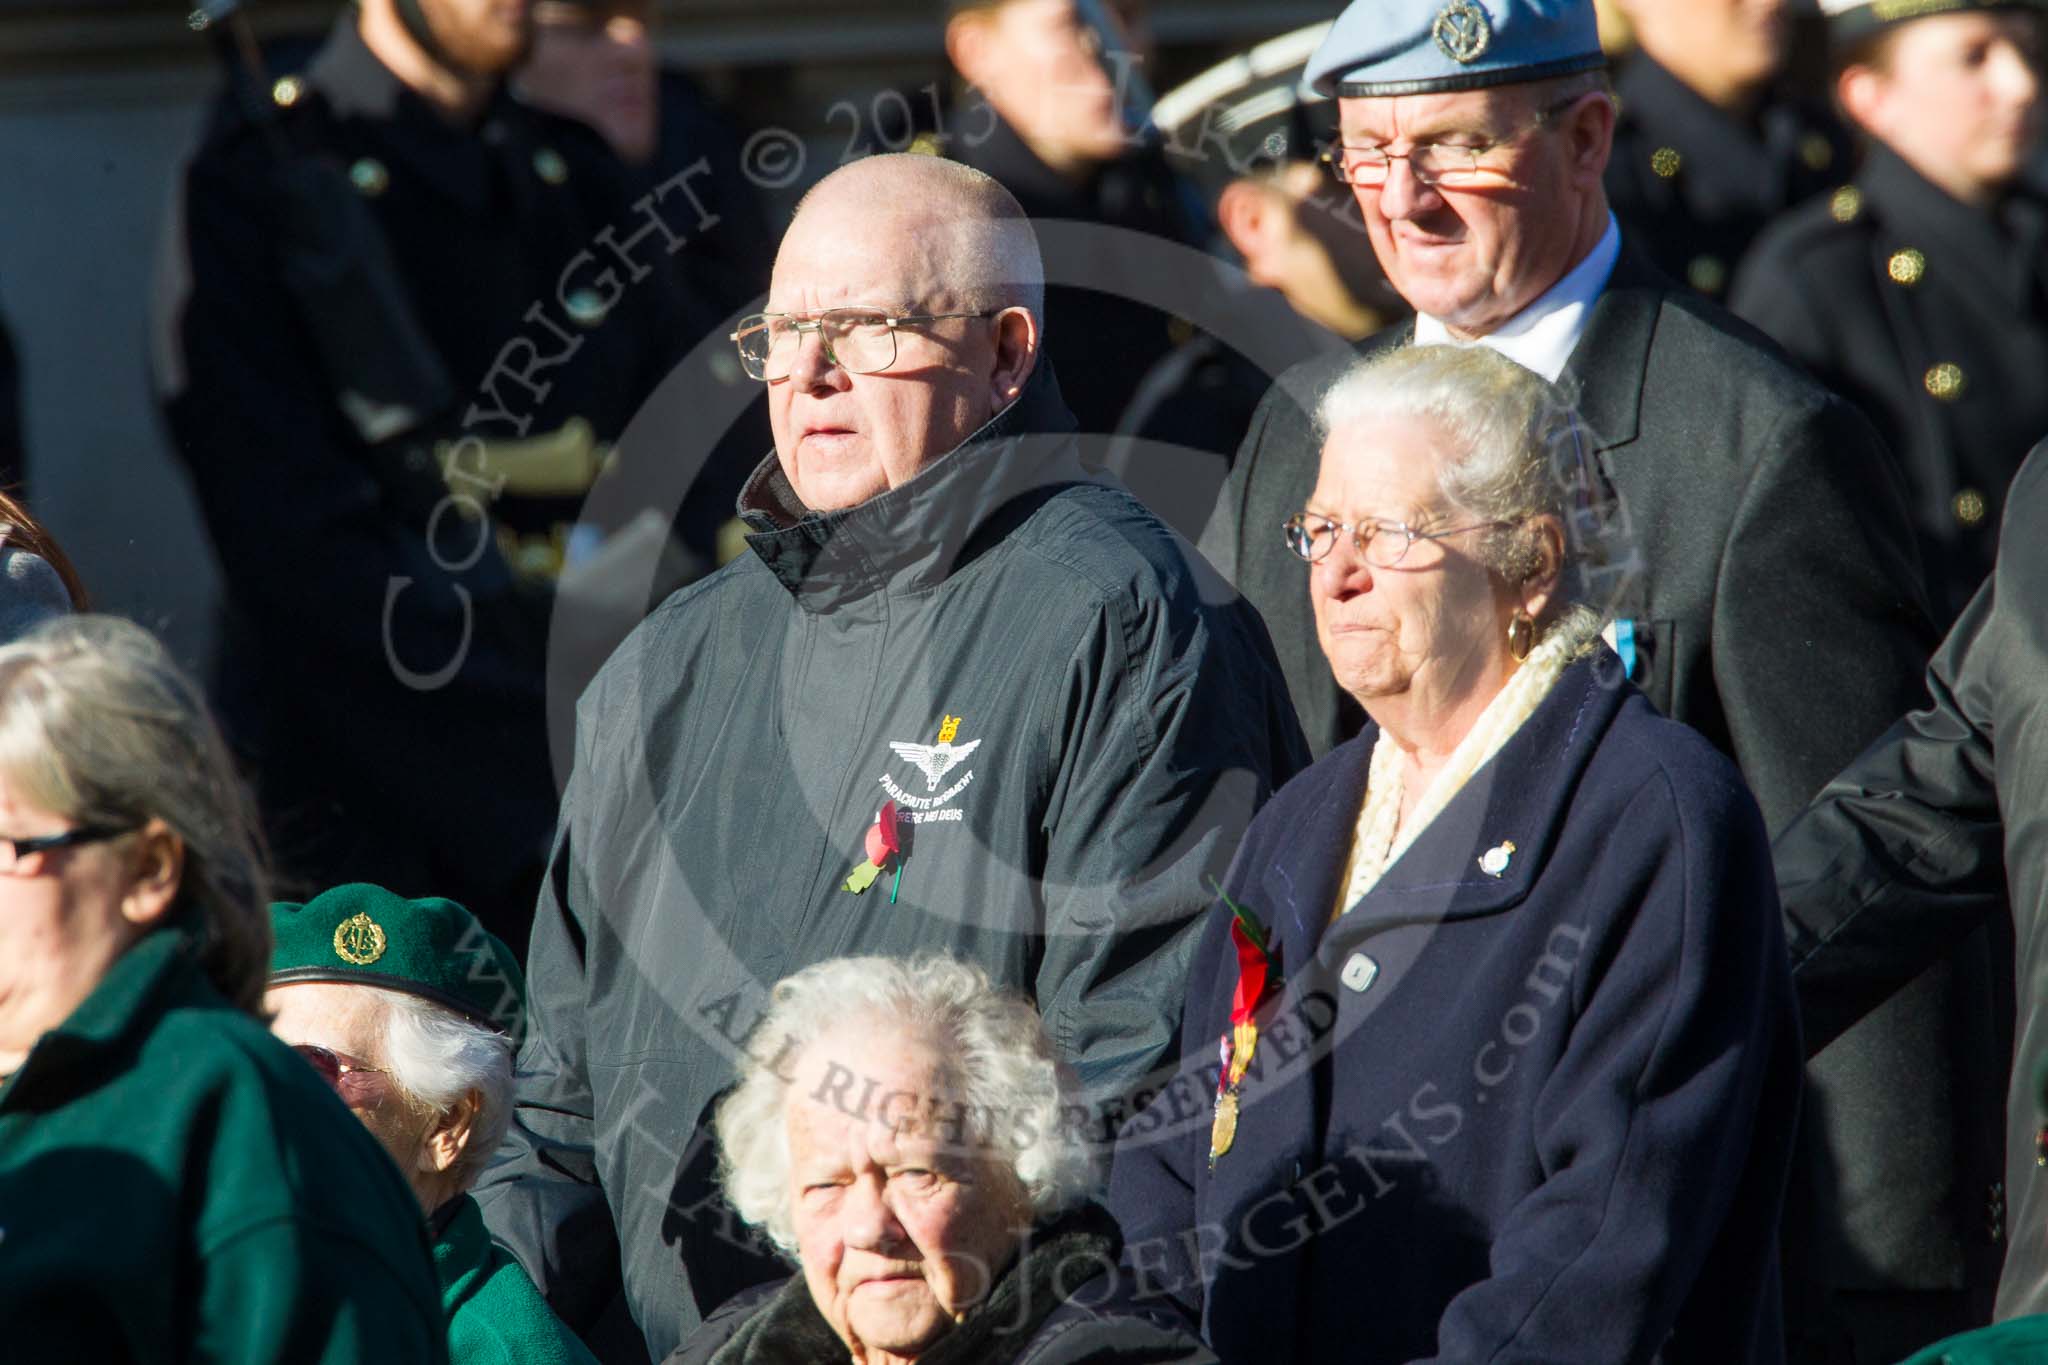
x=1462 y=31
x=359 y=940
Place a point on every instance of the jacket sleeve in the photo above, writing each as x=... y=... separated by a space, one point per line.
x=1681 y=1065
x=541 y=1198
x=1901 y=856
x=1820 y=629
x=1174 y=729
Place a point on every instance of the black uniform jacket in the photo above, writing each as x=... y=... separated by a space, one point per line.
x=1078 y=716
x=1939 y=826
x=387 y=669
x=1693 y=185
x=1531 y=1098
x=1932 y=316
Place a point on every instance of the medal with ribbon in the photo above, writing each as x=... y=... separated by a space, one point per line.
x=885 y=849
x=1254 y=974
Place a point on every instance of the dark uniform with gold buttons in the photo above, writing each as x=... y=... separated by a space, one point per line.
x=1694 y=185
x=1932 y=316
x=393 y=353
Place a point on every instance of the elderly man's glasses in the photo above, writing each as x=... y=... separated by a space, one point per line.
x=857 y=340
x=12 y=851
x=1383 y=544
x=345 y=1076
x=1432 y=163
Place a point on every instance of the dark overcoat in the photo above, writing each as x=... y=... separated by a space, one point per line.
x=1779 y=612
x=1540 y=1115
x=1928 y=836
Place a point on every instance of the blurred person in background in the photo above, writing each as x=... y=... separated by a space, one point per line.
x=13 y=461
x=1299 y=235
x=401 y=319
x=175 y=1184
x=948 y=1221
x=410 y=1009
x=1709 y=144
x=1050 y=112
x=1919 y=290
x=599 y=61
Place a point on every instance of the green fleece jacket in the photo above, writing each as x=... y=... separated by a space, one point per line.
x=495 y=1315
x=176 y=1186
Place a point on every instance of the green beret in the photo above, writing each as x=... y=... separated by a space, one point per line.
x=366 y=936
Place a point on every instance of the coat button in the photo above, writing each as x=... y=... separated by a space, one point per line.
x=1816 y=151
x=1906 y=267
x=369 y=177
x=1707 y=274
x=1944 y=381
x=1845 y=203
x=1969 y=507
x=285 y=91
x=1359 y=970
x=549 y=165
x=1665 y=161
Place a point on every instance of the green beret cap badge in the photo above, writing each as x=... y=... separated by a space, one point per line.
x=359 y=939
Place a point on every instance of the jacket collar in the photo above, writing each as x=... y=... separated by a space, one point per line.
x=1604 y=376
x=915 y=536
x=789 y=1329
x=1519 y=796
x=454 y=160
x=2002 y=248
x=123 y=1005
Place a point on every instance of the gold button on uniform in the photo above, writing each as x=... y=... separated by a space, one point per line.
x=369 y=177
x=1707 y=274
x=286 y=91
x=1665 y=161
x=1944 y=381
x=1906 y=267
x=1845 y=203
x=1969 y=507
x=1816 y=151
x=549 y=166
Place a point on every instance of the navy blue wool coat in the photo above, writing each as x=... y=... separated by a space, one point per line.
x=1544 y=1115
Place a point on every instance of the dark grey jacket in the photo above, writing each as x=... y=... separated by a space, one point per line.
x=1080 y=714
x=1779 y=612
x=1929 y=836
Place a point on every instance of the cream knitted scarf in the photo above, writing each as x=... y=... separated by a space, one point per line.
x=1373 y=846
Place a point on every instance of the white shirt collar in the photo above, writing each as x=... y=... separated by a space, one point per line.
x=1542 y=336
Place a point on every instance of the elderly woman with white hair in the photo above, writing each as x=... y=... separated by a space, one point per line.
x=175 y=1186
x=1490 y=1045
x=408 y=1009
x=904 y=1133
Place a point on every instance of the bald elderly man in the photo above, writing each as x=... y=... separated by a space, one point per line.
x=958 y=695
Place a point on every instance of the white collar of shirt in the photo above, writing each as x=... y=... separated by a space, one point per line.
x=1542 y=336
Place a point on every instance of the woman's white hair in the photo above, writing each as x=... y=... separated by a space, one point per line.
x=1013 y=1095
x=435 y=1057
x=1520 y=446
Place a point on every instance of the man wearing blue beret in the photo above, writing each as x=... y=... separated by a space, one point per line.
x=1777 y=607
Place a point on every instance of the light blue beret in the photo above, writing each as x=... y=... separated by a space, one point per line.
x=1422 y=47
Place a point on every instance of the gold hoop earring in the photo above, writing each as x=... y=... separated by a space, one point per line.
x=1521 y=634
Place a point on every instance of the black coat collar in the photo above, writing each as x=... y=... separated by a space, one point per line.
x=913 y=537
x=1996 y=252
x=788 y=1329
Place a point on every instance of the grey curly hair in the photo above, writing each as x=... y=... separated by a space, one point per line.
x=1014 y=1096
x=1515 y=430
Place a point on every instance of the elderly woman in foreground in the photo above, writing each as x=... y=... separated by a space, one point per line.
x=904 y=1134
x=1490 y=1045
x=175 y=1185
x=407 y=1010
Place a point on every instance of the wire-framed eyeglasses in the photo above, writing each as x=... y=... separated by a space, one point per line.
x=12 y=851
x=857 y=340
x=1433 y=163
x=1382 y=544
